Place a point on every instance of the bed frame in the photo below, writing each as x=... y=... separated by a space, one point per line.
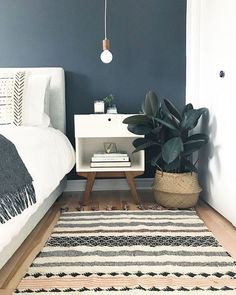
x=58 y=120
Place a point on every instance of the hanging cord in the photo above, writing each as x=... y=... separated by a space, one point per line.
x=105 y=19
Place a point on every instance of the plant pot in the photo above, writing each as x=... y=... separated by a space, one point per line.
x=176 y=190
x=112 y=109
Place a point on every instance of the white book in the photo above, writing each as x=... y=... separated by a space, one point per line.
x=108 y=155
x=109 y=164
x=110 y=159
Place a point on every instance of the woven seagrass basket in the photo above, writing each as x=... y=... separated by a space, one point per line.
x=176 y=190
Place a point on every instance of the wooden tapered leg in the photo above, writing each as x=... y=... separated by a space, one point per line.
x=130 y=179
x=91 y=178
x=89 y=186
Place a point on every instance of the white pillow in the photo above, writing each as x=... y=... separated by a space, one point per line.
x=34 y=103
x=12 y=95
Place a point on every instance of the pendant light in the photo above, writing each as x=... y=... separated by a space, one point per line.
x=106 y=55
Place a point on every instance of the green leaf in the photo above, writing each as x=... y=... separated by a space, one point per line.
x=144 y=146
x=171 y=149
x=142 y=143
x=175 y=122
x=188 y=107
x=191 y=117
x=139 y=129
x=197 y=136
x=137 y=119
x=143 y=108
x=151 y=104
x=165 y=123
x=169 y=118
x=172 y=109
x=138 y=141
x=192 y=146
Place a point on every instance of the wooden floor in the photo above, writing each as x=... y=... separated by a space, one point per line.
x=17 y=266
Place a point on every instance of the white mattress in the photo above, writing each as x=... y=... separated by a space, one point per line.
x=48 y=156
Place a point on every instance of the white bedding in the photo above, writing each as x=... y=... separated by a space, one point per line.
x=48 y=156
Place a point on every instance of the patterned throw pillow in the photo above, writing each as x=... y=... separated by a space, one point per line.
x=12 y=88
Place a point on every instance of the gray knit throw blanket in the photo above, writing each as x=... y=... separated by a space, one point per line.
x=16 y=188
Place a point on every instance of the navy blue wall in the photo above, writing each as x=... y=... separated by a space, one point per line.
x=147 y=41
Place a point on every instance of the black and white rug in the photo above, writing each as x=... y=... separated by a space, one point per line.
x=133 y=252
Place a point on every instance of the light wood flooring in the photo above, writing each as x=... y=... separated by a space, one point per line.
x=17 y=266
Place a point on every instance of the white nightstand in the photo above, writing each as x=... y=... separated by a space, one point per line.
x=91 y=131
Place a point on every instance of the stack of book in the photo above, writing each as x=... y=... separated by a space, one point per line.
x=119 y=159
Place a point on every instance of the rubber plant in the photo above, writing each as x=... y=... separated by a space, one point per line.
x=169 y=133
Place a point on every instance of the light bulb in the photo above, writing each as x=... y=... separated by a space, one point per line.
x=106 y=56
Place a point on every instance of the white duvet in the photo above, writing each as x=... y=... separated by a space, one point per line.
x=48 y=156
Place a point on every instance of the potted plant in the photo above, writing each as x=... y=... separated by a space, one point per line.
x=109 y=104
x=171 y=137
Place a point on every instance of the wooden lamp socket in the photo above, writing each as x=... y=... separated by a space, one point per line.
x=106 y=44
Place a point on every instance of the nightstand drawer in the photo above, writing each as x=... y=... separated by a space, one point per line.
x=101 y=125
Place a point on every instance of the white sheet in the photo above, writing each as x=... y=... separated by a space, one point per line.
x=48 y=156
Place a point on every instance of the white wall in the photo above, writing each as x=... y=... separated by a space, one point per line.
x=211 y=47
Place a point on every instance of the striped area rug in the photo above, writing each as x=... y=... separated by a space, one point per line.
x=134 y=252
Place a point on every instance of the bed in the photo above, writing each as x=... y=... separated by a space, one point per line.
x=48 y=156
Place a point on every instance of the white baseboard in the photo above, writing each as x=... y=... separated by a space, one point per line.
x=108 y=184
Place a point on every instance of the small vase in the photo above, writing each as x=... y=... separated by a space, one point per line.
x=112 y=109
